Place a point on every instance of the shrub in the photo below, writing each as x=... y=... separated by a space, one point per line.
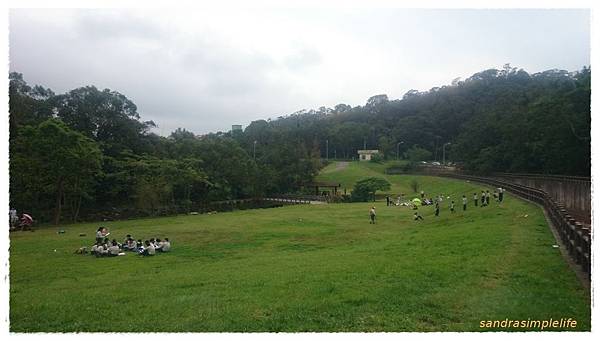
x=364 y=190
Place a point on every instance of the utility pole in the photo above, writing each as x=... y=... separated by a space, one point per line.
x=254 y=152
x=327 y=149
x=398 y=149
x=444 y=153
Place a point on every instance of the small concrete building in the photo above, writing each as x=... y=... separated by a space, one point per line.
x=366 y=154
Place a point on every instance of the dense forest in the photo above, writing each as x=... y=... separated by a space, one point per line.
x=89 y=150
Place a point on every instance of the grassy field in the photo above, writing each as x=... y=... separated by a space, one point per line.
x=303 y=268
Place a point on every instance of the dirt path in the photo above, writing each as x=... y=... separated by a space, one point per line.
x=341 y=165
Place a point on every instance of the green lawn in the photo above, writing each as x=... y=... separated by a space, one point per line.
x=303 y=268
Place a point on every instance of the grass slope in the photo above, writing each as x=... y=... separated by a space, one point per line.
x=303 y=268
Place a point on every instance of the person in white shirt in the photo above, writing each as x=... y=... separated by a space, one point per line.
x=131 y=245
x=101 y=251
x=165 y=245
x=149 y=249
x=114 y=249
x=14 y=218
x=95 y=249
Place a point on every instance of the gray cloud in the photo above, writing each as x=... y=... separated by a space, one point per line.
x=205 y=71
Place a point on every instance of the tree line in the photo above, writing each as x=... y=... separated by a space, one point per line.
x=504 y=120
x=89 y=149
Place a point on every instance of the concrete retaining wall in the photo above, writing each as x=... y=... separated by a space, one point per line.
x=573 y=192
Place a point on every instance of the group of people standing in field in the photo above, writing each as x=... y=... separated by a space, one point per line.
x=104 y=247
x=485 y=196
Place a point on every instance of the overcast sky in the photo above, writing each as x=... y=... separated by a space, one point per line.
x=207 y=70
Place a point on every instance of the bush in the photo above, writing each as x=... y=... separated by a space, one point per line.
x=377 y=158
x=364 y=190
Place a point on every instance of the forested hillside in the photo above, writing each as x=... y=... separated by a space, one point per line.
x=88 y=149
x=496 y=120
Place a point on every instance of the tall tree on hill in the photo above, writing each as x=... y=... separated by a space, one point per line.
x=106 y=116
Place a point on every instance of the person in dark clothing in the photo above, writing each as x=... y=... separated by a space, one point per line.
x=464 y=202
x=475 y=197
x=418 y=216
x=387 y=200
x=437 y=209
x=452 y=206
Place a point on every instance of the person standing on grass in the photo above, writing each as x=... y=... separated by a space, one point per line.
x=482 y=198
x=487 y=197
x=387 y=200
x=500 y=194
x=14 y=218
x=422 y=195
x=437 y=209
x=452 y=207
x=372 y=215
x=475 y=198
x=464 y=200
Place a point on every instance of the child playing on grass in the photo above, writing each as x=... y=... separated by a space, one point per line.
x=437 y=209
x=475 y=198
x=418 y=216
x=452 y=206
x=464 y=201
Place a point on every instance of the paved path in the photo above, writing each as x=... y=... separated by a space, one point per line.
x=341 y=165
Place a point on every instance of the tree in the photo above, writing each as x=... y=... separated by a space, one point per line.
x=63 y=163
x=106 y=116
x=365 y=189
x=416 y=154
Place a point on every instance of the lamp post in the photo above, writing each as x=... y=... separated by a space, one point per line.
x=327 y=149
x=444 y=153
x=398 y=149
x=254 y=151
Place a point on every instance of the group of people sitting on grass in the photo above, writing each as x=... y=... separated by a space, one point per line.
x=103 y=247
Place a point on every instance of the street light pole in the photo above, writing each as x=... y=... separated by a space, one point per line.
x=327 y=149
x=398 y=149
x=444 y=153
x=254 y=151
